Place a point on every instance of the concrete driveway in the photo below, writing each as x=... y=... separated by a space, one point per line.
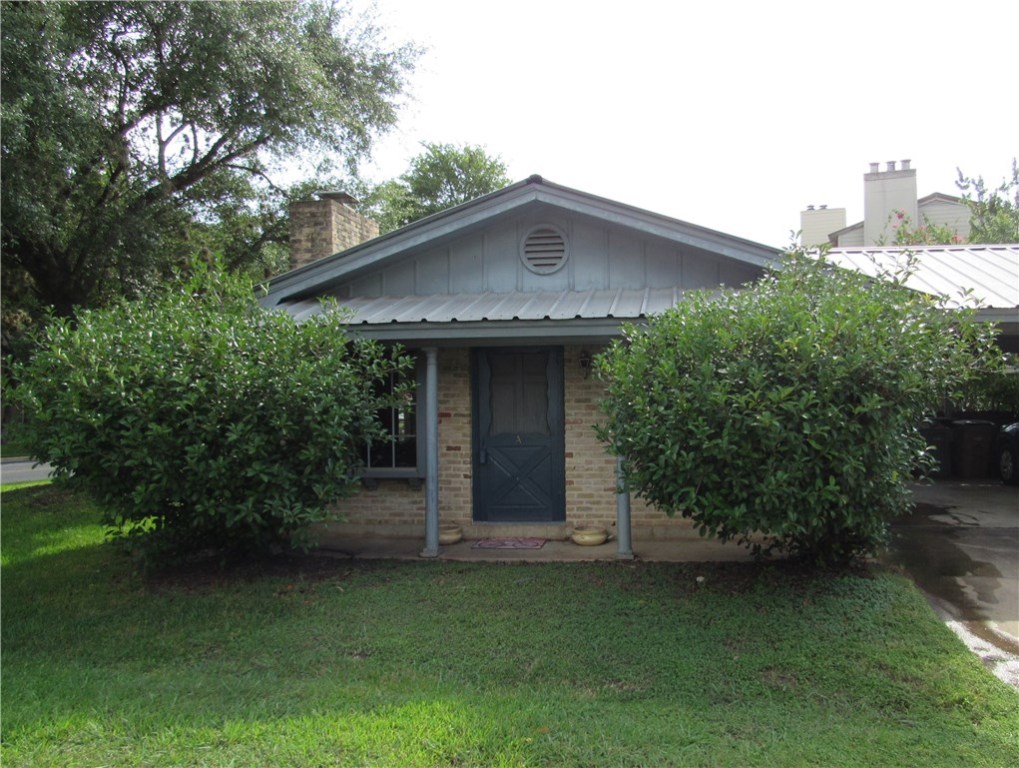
x=961 y=547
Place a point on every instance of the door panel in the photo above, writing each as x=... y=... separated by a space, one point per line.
x=519 y=460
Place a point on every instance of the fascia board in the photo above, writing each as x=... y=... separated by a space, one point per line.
x=998 y=315
x=485 y=332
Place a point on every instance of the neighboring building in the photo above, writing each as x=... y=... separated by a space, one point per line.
x=885 y=194
x=504 y=300
x=818 y=222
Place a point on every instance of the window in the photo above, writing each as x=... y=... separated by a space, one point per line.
x=401 y=455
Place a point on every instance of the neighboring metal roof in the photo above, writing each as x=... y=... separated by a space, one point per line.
x=988 y=273
x=619 y=304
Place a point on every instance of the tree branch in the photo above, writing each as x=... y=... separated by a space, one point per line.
x=165 y=143
x=255 y=172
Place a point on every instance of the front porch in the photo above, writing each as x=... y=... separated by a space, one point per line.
x=393 y=508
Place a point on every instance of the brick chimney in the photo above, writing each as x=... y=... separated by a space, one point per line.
x=328 y=225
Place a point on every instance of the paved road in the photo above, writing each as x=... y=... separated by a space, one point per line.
x=12 y=471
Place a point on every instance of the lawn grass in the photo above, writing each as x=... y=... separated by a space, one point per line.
x=332 y=663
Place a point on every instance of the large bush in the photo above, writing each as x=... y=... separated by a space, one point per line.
x=200 y=420
x=788 y=409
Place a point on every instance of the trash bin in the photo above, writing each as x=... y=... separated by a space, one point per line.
x=939 y=437
x=972 y=443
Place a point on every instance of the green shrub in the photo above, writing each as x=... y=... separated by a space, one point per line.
x=788 y=409
x=200 y=420
x=996 y=391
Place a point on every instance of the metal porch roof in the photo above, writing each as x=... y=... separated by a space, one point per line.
x=621 y=304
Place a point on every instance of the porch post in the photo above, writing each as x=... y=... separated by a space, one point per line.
x=624 y=550
x=431 y=453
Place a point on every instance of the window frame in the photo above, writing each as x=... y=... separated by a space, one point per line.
x=373 y=474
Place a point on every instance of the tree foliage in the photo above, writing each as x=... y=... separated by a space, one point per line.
x=445 y=175
x=994 y=213
x=788 y=410
x=198 y=419
x=129 y=127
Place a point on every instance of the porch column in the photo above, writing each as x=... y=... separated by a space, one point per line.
x=624 y=550
x=431 y=453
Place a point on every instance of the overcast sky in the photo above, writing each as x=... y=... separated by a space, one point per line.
x=730 y=115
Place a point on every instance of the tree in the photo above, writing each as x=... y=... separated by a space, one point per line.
x=443 y=176
x=128 y=128
x=198 y=419
x=786 y=414
x=994 y=214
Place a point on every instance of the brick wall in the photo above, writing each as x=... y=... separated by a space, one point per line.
x=397 y=508
x=320 y=228
x=590 y=469
x=455 y=502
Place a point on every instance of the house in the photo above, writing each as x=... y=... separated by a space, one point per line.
x=886 y=194
x=504 y=300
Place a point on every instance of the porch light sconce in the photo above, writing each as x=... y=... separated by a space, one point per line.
x=585 y=362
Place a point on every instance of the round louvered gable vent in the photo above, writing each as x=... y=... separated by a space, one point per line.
x=544 y=250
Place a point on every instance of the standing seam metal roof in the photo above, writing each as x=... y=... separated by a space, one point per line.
x=622 y=303
x=990 y=273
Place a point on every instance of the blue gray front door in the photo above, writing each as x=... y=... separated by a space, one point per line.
x=519 y=454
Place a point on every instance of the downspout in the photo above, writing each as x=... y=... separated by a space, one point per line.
x=624 y=547
x=431 y=453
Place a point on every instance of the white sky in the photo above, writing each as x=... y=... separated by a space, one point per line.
x=731 y=115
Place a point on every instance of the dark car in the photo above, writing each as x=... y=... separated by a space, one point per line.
x=1006 y=454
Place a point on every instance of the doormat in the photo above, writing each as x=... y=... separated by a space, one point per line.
x=511 y=543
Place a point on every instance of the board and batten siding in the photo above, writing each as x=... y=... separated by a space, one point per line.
x=601 y=257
